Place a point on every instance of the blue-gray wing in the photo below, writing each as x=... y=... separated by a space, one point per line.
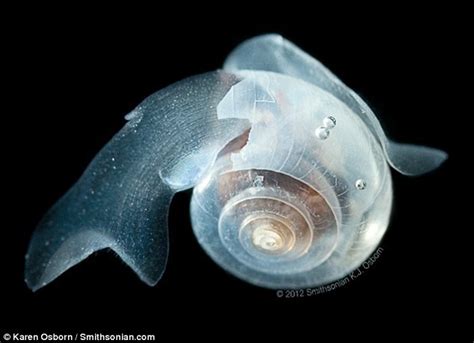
x=122 y=199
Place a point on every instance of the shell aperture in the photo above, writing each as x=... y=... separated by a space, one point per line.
x=291 y=184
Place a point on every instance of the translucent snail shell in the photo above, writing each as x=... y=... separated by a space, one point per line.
x=290 y=170
x=285 y=210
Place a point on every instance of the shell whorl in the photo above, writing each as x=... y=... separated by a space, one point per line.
x=282 y=224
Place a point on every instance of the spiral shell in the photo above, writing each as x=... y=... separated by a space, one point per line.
x=285 y=210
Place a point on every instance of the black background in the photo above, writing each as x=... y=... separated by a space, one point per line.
x=74 y=77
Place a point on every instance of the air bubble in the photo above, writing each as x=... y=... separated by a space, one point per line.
x=329 y=122
x=322 y=132
x=360 y=184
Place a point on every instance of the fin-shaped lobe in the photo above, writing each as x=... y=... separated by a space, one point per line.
x=122 y=199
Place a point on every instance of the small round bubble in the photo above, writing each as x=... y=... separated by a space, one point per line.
x=360 y=184
x=329 y=122
x=322 y=133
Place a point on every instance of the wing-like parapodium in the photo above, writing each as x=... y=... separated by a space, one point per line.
x=122 y=199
